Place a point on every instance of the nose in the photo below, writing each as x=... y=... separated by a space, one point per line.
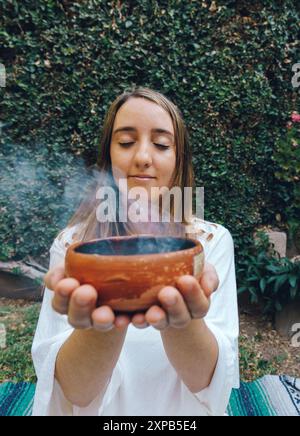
x=143 y=157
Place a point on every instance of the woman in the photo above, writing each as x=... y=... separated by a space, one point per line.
x=181 y=356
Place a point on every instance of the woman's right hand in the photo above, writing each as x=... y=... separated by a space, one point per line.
x=79 y=303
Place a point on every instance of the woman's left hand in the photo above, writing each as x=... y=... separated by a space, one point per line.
x=189 y=300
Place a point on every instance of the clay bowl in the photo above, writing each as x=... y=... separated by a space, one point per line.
x=129 y=271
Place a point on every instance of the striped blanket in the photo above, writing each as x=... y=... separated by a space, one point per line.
x=268 y=396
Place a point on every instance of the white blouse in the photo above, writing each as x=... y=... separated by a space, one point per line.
x=144 y=383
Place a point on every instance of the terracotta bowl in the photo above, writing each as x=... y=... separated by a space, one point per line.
x=129 y=271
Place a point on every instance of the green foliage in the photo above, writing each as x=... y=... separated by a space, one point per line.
x=253 y=366
x=228 y=68
x=287 y=159
x=33 y=202
x=270 y=280
x=287 y=156
x=15 y=360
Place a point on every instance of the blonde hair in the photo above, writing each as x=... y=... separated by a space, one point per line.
x=90 y=227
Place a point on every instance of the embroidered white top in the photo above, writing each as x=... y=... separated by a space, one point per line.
x=144 y=383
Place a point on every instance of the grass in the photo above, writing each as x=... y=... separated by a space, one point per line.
x=20 y=322
x=15 y=359
x=252 y=364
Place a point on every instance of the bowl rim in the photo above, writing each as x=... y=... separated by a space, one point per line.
x=198 y=248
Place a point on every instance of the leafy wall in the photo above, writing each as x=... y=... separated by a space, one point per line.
x=226 y=64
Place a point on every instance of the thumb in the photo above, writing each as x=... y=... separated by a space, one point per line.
x=54 y=275
x=209 y=281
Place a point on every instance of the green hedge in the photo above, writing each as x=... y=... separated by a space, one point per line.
x=226 y=64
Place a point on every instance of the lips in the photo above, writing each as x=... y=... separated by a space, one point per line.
x=141 y=176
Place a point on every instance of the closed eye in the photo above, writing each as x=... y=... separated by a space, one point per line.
x=161 y=146
x=127 y=144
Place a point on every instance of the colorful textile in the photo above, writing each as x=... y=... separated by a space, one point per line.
x=16 y=399
x=268 y=396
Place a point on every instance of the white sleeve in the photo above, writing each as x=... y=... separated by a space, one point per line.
x=52 y=331
x=222 y=320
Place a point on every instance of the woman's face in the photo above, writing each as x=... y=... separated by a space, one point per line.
x=143 y=144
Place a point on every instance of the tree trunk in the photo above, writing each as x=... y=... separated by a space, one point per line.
x=29 y=269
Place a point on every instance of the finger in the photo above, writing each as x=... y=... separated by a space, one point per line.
x=194 y=297
x=82 y=303
x=54 y=275
x=62 y=293
x=209 y=280
x=121 y=321
x=157 y=317
x=173 y=303
x=103 y=319
x=139 y=321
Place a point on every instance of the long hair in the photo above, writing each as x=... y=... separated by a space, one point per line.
x=90 y=227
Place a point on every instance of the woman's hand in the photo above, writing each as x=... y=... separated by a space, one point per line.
x=189 y=300
x=79 y=303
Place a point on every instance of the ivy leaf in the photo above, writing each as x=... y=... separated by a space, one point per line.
x=263 y=284
x=293 y=292
x=293 y=281
x=279 y=282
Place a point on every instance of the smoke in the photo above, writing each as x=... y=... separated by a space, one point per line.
x=34 y=183
x=136 y=245
x=40 y=190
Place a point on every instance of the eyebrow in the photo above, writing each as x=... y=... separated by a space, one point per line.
x=133 y=129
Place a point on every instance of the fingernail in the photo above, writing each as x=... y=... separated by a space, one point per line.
x=211 y=282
